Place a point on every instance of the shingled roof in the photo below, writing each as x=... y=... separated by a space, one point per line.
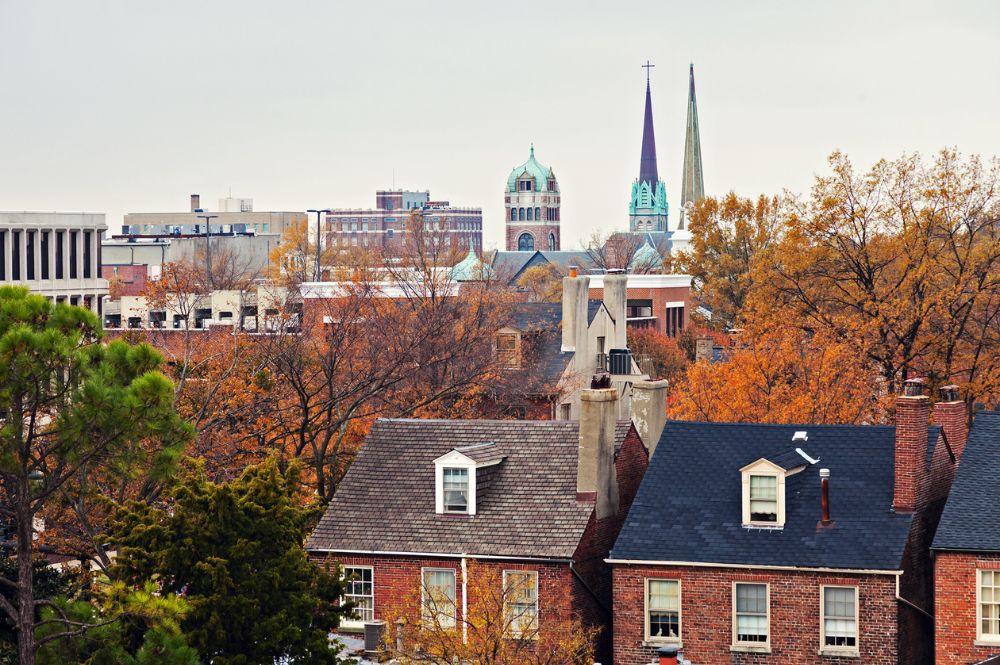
x=689 y=506
x=385 y=503
x=967 y=523
x=545 y=320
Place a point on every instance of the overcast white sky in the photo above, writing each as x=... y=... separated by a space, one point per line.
x=132 y=105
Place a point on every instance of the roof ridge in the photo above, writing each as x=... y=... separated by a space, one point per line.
x=776 y=425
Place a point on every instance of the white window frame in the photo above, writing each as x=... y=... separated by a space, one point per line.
x=507 y=601
x=358 y=623
x=752 y=646
x=423 y=596
x=762 y=467
x=645 y=613
x=453 y=460
x=835 y=650
x=981 y=637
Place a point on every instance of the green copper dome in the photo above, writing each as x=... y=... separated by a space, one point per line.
x=539 y=172
x=471 y=268
x=646 y=257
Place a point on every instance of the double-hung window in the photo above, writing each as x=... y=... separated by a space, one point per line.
x=751 y=616
x=763 y=498
x=438 y=597
x=360 y=590
x=663 y=610
x=988 y=607
x=456 y=490
x=521 y=602
x=839 y=618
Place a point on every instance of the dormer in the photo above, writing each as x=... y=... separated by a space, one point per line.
x=455 y=484
x=763 y=494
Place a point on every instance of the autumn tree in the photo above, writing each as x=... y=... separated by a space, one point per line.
x=504 y=624
x=71 y=409
x=542 y=282
x=617 y=251
x=660 y=353
x=902 y=263
x=728 y=236
x=235 y=552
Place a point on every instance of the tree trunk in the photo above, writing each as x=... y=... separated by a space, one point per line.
x=25 y=581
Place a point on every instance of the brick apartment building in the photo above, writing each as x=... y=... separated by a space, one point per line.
x=966 y=552
x=424 y=498
x=752 y=543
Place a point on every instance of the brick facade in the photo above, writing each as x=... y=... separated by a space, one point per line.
x=540 y=235
x=659 y=296
x=707 y=610
x=955 y=607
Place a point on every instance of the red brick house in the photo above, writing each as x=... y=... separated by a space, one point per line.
x=424 y=498
x=966 y=552
x=790 y=544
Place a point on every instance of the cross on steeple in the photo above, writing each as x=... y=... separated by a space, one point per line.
x=647 y=67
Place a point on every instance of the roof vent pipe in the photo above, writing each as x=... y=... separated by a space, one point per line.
x=824 y=481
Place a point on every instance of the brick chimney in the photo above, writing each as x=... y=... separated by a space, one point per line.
x=950 y=414
x=649 y=410
x=912 y=412
x=616 y=299
x=595 y=470
x=195 y=202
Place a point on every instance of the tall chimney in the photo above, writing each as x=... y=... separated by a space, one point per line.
x=950 y=414
x=649 y=410
x=824 y=481
x=912 y=412
x=569 y=310
x=582 y=324
x=195 y=202
x=595 y=470
x=615 y=299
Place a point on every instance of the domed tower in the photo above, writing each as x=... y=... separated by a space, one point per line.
x=532 y=202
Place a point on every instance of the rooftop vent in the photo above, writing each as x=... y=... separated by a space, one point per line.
x=800 y=436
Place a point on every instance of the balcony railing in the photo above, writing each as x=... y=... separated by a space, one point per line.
x=619 y=362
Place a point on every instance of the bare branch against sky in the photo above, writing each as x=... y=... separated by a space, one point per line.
x=120 y=106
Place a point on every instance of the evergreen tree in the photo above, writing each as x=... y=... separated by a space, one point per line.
x=235 y=551
x=70 y=406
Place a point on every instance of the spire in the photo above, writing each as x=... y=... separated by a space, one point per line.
x=647 y=161
x=693 y=185
x=532 y=148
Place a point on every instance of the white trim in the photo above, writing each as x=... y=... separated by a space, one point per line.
x=845 y=651
x=754 y=646
x=359 y=623
x=748 y=566
x=988 y=639
x=647 y=282
x=658 y=640
x=763 y=467
x=436 y=555
x=674 y=304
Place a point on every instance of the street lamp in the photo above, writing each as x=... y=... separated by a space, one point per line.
x=319 y=214
x=208 y=248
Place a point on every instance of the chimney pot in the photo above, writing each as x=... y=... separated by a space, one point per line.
x=913 y=387
x=949 y=393
x=824 y=480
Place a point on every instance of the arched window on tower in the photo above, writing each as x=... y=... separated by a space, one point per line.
x=538 y=214
x=525 y=243
x=513 y=214
x=552 y=242
x=520 y=214
x=529 y=214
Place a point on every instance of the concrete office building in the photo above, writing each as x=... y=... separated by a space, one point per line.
x=55 y=254
x=235 y=216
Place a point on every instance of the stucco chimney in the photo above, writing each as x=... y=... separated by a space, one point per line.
x=195 y=202
x=569 y=311
x=703 y=349
x=950 y=414
x=615 y=299
x=582 y=324
x=649 y=410
x=595 y=470
x=912 y=412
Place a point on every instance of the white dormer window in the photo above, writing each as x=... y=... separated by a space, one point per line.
x=455 y=484
x=763 y=494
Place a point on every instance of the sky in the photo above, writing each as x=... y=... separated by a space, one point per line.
x=131 y=105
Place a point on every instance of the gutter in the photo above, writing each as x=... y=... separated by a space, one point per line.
x=744 y=566
x=438 y=555
x=592 y=593
x=465 y=600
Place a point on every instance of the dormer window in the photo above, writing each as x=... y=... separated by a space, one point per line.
x=456 y=490
x=763 y=494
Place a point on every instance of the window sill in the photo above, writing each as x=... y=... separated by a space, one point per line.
x=749 y=648
x=987 y=643
x=657 y=642
x=353 y=627
x=840 y=653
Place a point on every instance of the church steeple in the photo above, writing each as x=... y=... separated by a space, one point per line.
x=693 y=185
x=647 y=161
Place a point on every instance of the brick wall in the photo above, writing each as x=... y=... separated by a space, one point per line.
x=706 y=615
x=131 y=278
x=660 y=297
x=540 y=232
x=955 y=607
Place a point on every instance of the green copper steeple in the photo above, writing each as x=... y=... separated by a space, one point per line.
x=647 y=209
x=693 y=184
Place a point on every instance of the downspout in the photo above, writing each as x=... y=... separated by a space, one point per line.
x=465 y=601
x=593 y=594
x=909 y=604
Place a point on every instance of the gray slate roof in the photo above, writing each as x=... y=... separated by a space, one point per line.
x=969 y=522
x=528 y=509
x=548 y=361
x=689 y=504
